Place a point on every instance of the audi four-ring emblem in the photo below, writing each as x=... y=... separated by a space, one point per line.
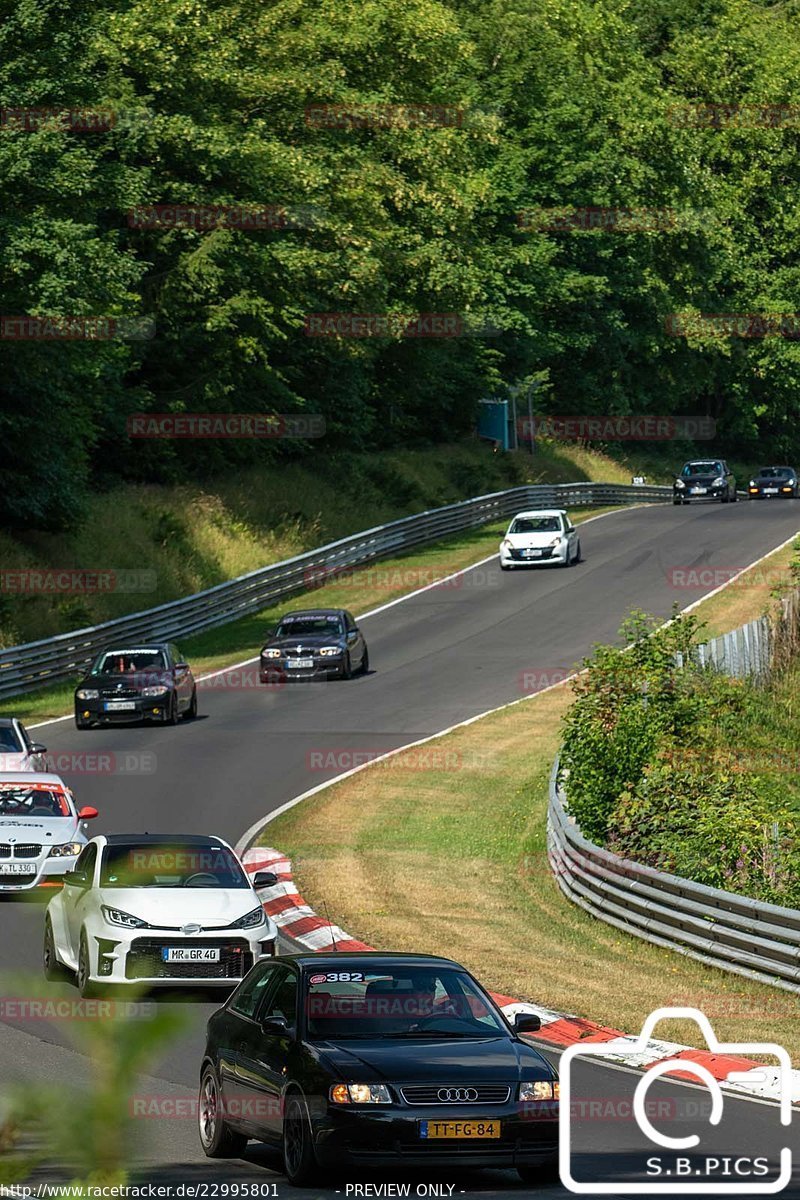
x=457 y=1095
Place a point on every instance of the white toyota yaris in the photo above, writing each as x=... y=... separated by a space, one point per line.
x=151 y=909
x=544 y=535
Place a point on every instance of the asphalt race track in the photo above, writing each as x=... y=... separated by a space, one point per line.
x=438 y=658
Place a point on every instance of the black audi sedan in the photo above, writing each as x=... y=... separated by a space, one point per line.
x=135 y=683
x=774 y=483
x=315 y=643
x=372 y=1059
x=704 y=479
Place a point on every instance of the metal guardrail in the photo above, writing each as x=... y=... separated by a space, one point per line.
x=36 y=664
x=748 y=937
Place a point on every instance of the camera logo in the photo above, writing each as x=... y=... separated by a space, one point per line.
x=687 y=1159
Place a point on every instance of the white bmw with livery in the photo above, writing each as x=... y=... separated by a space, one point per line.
x=544 y=535
x=41 y=830
x=150 y=909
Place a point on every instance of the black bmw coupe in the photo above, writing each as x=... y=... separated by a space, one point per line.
x=371 y=1059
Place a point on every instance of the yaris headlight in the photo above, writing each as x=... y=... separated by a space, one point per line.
x=555 y=542
x=679 y=483
x=67 y=850
x=719 y=481
x=250 y=920
x=115 y=916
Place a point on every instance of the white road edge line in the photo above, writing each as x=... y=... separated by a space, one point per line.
x=372 y=612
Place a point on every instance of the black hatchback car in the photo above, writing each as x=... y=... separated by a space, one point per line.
x=371 y=1059
x=315 y=643
x=135 y=683
x=774 y=483
x=704 y=479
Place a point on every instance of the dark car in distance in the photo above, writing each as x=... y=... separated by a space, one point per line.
x=147 y=682
x=373 y=1059
x=774 y=483
x=704 y=479
x=314 y=643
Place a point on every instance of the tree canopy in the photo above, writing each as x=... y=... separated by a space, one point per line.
x=418 y=153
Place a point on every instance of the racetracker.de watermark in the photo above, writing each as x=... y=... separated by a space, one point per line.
x=415 y=758
x=401 y=579
x=561 y=219
x=738 y=116
x=535 y=679
x=70 y=582
x=57 y=328
x=48 y=1008
x=394 y=325
x=76 y=120
x=226 y=425
x=204 y=217
x=239 y=679
x=733 y=325
x=754 y=578
x=635 y=427
x=94 y=762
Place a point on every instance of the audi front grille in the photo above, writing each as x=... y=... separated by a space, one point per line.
x=457 y=1094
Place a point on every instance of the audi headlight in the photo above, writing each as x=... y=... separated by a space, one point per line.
x=87 y=693
x=115 y=916
x=161 y=690
x=540 y=1089
x=67 y=850
x=270 y=653
x=360 y=1093
x=329 y=651
x=718 y=482
x=250 y=920
x=679 y=483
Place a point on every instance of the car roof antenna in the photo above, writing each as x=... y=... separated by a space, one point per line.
x=330 y=927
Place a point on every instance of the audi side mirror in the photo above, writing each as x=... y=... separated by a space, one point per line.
x=274 y=1025
x=527 y=1023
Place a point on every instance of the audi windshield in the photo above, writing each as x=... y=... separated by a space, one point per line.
x=397 y=1002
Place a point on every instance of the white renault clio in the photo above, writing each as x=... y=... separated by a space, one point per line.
x=544 y=535
x=150 y=909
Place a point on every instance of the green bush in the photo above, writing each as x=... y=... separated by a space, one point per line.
x=725 y=829
x=627 y=703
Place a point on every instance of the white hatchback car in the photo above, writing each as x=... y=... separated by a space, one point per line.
x=544 y=535
x=41 y=831
x=149 y=909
